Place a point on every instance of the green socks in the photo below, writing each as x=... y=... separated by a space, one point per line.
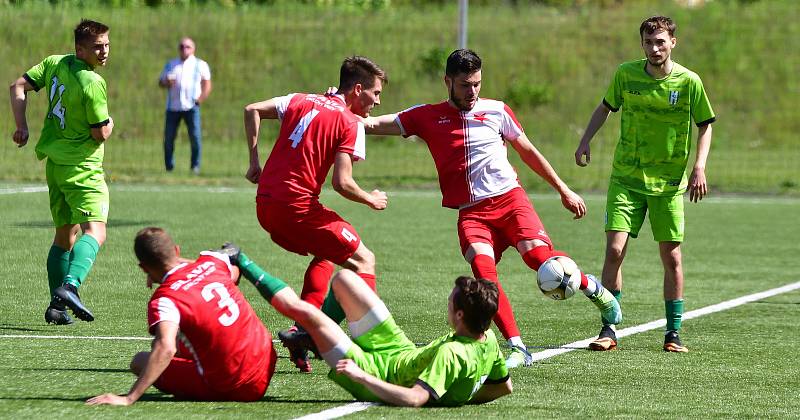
x=57 y=267
x=616 y=293
x=81 y=260
x=674 y=312
x=332 y=308
x=265 y=283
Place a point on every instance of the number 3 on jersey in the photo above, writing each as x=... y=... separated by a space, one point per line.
x=225 y=301
x=300 y=129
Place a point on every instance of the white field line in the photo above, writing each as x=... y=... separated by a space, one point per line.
x=351 y=408
x=73 y=337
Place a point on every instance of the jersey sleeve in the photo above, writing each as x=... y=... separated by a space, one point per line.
x=510 y=127
x=205 y=71
x=162 y=309
x=499 y=373
x=409 y=120
x=282 y=104
x=219 y=256
x=354 y=142
x=36 y=74
x=440 y=373
x=613 y=98
x=96 y=103
x=702 y=114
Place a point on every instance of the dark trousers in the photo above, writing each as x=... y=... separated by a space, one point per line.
x=173 y=119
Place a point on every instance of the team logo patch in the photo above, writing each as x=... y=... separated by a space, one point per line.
x=673 y=97
x=480 y=117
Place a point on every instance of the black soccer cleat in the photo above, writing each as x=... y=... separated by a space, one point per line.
x=67 y=295
x=54 y=315
x=606 y=340
x=231 y=250
x=672 y=343
x=298 y=342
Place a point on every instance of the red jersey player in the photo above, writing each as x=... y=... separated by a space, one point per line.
x=209 y=344
x=317 y=132
x=467 y=137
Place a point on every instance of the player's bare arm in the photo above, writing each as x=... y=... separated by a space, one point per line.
x=598 y=118
x=102 y=133
x=539 y=164
x=162 y=352
x=491 y=392
x=384 y=125
x=253 y=114
x=343 y=182
x=19 y=104
x=697 y=181
x=415 y=396
x=205 y=90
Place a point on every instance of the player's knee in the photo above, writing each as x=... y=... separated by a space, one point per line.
x=138 y=362
x=344 y=281
x=364 y=261
x=615 y=253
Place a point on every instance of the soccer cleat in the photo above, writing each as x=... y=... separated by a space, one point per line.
x=672 y=343
x=519 y=356
x=54 y=315
x=67 y=295
x=607 y=340
x=298 y=342
x=610 y=311
x=231 y=250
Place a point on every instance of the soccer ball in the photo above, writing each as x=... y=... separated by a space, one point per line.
x=559 y=278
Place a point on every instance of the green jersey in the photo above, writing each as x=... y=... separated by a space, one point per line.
x=77 y=103
x=452 y=368
x=655 y=137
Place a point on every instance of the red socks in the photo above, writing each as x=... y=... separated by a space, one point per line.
x=370 y=280
x=315 y=282
x=483 y=267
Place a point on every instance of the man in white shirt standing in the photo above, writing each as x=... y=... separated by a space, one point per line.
x=188 y=83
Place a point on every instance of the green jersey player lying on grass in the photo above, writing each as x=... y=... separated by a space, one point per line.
x=380 y=363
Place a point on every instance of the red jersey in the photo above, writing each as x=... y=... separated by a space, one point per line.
x=468 y=147
x=218 y=327
x=313 y=129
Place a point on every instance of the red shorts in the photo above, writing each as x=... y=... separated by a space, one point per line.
x=308 y=229
x=501 y=221
x=182 y=379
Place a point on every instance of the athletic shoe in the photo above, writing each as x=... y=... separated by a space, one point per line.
x=298 y=342
x=607 y=340
x=67 y=295
x=519 y=356
x=610 y=311
x=231 y=250
x=672 y=343
x=54 y=315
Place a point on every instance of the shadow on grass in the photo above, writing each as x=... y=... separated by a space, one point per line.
x=102 y=370
x=48 y=224
x=18 y=328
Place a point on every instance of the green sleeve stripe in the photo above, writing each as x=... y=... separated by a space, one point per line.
x=30 y=80
x=707 y=122
x=428 y=388
x=497 y=381
x=100 y=124
x=608 y=105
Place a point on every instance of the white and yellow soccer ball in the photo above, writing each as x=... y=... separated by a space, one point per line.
x=559 y=278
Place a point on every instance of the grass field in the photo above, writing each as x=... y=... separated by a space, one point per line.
x=742 y=362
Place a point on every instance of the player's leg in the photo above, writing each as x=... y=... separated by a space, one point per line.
x=315 y=281
x=192 y=118
x=171 y=121
x=63 y=240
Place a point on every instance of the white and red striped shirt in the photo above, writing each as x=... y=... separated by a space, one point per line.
x=468 y=147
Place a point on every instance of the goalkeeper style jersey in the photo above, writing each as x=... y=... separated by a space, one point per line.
x=655 y=136
x=77 y=102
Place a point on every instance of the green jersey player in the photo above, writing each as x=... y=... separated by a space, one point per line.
x=76 y=125
x=659 y=100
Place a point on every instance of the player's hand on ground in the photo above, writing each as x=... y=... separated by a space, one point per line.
x=583 y=151
x=253 y=173
x=574 y=203
x=331 y=91
x=20 y=136
x=110 y=399
x=697 y=185
x=379 y=200
x=350 y=369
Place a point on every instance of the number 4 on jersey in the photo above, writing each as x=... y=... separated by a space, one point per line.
x=300 y=129
x=58 y=110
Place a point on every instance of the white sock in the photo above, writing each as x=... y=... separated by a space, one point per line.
x=591 y=287
x=516 y=341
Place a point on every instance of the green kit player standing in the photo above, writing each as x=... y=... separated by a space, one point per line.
x=659 y=99
x=75 y=127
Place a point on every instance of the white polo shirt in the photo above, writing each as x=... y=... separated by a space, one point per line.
x=187 y=74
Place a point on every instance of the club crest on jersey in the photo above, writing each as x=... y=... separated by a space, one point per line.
x=480 y=117
x=673 y=97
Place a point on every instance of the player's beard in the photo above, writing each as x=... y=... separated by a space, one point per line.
x=459 y=103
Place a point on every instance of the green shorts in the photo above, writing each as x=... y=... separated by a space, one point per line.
x=373 y=352
x=78 y=193
x=625 y=211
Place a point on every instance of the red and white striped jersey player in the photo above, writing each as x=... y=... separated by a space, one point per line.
x=467 y=137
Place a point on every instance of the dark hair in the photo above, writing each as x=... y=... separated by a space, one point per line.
x=657 y=23
x=478 y=300
x=153 y=247
x=88 y=30
x=357 y=69
x=462 y=61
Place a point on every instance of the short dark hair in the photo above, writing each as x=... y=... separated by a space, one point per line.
x=357 y=69
x=462 y=61
x=478 y=300
x=657 y=23
x=88 y=30
x=154 y=247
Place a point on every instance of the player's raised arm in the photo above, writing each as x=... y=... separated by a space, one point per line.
x=253 y=114
x=384 y=125
x=343 y=182
x=597 y=120
x=19 y=103
x=539 y=164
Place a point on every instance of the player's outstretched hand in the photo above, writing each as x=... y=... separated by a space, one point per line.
x=110 y=399
x=379 y=200
x=583 y=150
x=574 y=203
x=20 y=137
x=253 y=173
x=350 y=369
x=697 y=185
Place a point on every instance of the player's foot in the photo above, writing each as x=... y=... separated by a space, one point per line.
x=607 y=340
x=519 y=356
x=67 y=295
x=672 y=343
x=231 y=250
x=57 y=315
x=196 y=170
x=610 y=310
x=298 y=342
